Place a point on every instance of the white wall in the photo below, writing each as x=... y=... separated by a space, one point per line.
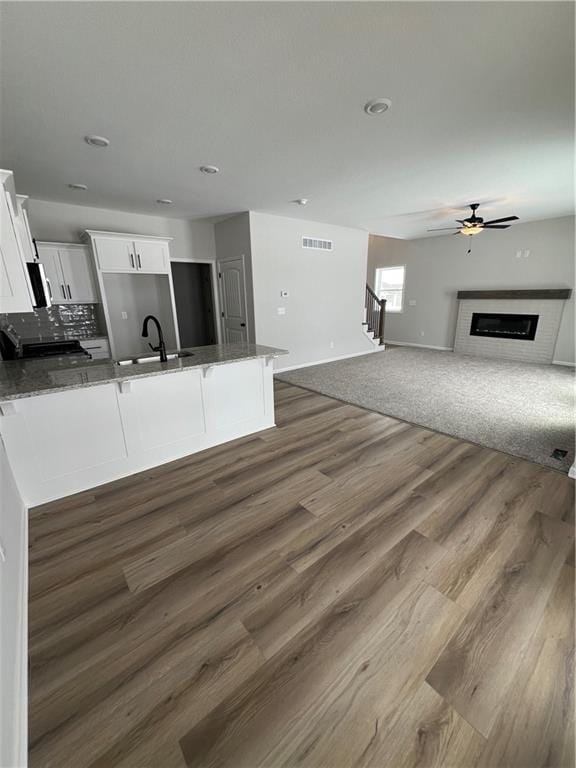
x=64 y=223
x=437 y=267
x=324 y=309
x=138 y=296
x=13 y=620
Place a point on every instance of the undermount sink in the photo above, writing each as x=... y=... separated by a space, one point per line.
x=154 y=358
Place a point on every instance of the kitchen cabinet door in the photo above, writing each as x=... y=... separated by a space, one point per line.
x=115 y=254
x=152 y=256
x=23 y=228
x=78 y=275
x=15 y=293
x=48 y=257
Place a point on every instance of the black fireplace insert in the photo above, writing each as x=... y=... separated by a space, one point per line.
x=503 y=326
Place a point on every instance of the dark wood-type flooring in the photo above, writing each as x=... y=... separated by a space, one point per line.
x=344 y=590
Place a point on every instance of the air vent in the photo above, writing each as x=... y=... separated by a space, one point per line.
x=317 y=245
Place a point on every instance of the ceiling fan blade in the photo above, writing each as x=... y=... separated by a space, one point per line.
x=501 y=221
x=440 y=229
x=496 y=226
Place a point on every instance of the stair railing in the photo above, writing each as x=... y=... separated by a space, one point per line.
x=375 y=312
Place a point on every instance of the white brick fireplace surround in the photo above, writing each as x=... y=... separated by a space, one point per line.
x=548 y=304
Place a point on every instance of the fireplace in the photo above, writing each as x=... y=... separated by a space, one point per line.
x=512 y=324
x=504 y=326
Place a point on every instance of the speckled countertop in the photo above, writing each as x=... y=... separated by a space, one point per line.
x=41 y=376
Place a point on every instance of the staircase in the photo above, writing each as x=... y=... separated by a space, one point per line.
x=374 y=314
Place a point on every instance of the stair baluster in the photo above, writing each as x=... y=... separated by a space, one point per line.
x=375 y=312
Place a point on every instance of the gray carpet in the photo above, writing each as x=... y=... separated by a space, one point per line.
x=519 y=408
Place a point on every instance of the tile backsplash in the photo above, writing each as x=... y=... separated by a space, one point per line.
x=60 y=321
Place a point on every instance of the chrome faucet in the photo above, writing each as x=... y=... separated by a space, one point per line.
x=161 y=345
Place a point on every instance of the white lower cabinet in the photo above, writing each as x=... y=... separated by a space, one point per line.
x=225 y=405
x=72 y=431
x=161 y=410
x=70 y=441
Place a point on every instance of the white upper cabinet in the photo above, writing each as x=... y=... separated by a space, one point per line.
x=130 y=253
x=15 y=288
x=23 y=228
x=78 y=273
x=114 y=254
x=152 y=255
x=69 y=272
x=48 y=257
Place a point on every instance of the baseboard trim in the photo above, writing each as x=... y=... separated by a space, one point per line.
x=421 y=346
x=563 y=362
x=379 y=348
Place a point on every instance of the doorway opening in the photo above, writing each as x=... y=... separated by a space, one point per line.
x=194 y=298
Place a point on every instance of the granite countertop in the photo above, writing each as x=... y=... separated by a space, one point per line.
x=26 y=378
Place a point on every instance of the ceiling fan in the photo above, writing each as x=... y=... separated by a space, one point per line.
x=473 y=225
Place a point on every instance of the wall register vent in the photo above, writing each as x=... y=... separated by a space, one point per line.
x=317 y=245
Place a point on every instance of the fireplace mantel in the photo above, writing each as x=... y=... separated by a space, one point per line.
x=542 y=293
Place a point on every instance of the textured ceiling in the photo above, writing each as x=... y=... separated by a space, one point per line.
x=483 y=105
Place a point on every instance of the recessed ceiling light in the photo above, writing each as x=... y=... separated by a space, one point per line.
x=377 y=106
x=81 y=187
x=97 y=141
x=164 y=201
x=209 y=169
x=301 y=201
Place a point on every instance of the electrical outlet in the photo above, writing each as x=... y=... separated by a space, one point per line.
x=281 y=310
x=331 y=345
x=421 y=333
x=412 y=303
x=124 y=315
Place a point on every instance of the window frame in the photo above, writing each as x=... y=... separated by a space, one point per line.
x=402 y=290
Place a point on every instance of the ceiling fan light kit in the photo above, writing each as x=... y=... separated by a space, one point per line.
x=474 y=224
x=470 y=230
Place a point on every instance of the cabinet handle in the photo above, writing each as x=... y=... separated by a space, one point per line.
x=139 y=261
x=132 y=260
x=63 y=290
x=49 y=288
x=69 y=291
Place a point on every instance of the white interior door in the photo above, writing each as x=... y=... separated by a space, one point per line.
x=232 y=282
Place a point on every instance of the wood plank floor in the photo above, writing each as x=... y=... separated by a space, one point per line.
x=344 y=590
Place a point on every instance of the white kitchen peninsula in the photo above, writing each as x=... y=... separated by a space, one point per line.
x=68 y=428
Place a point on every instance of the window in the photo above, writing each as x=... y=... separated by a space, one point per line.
x=390 y=286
